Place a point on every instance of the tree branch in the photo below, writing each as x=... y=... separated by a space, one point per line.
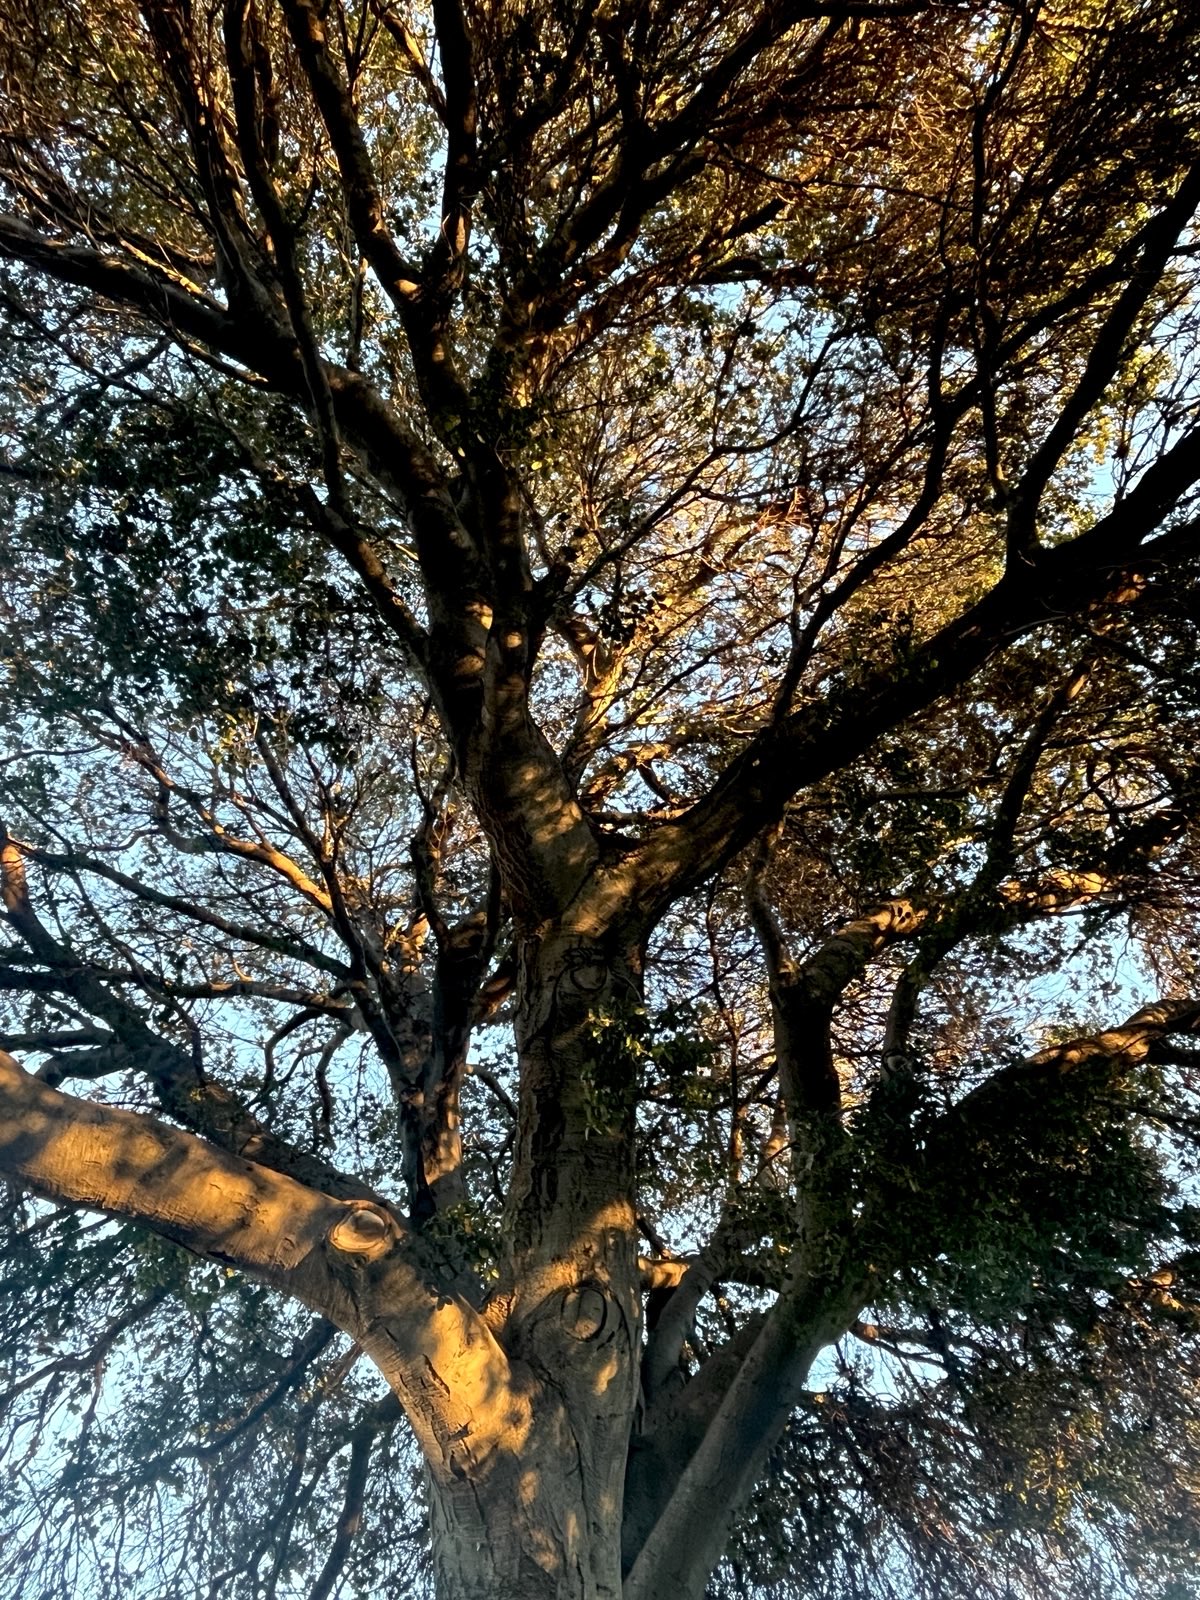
x=1094 y=1063
x=405 y=284
x=131 y=1166
x=280 y=944
x=350 y=1261
x=690 y=1535
x=688 y=1538
x=350 y=1519
x=815 y=740
x=977 y=906
x=184 y=1092
x=1104 y=358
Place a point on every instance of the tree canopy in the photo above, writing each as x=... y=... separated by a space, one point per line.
x=598 y=801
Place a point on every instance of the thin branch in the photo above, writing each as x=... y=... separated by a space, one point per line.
x=350 y=1519
x=1104 y=358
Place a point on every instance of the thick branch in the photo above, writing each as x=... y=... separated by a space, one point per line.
x=690 y=1535
x=447 y=261
x=400 y=279
x=349 y=1261
x=399 y=461
x=405 y=285
x=1096 y=1062
x=812 y=742
x=804 y=996
x=135 y=1167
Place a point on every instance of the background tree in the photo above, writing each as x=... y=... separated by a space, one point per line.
x=600 y=609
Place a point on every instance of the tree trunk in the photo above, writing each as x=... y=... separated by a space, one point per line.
x=544 y=1524
x=546 y=1519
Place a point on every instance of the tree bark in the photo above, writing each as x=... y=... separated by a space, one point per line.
x=570 y=1290
x=543 y=1522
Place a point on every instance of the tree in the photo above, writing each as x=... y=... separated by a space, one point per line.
x=601 y=605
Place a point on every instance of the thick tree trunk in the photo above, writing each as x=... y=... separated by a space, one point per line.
x=545 y=1521
x=542 y=1525
x=572 y=1191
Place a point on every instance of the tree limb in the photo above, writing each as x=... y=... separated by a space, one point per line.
x=350 y=1261
x=815 y=740
x=191 y=1096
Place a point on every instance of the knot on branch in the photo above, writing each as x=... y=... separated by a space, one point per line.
x=363 y=1230
x=585 y=1311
